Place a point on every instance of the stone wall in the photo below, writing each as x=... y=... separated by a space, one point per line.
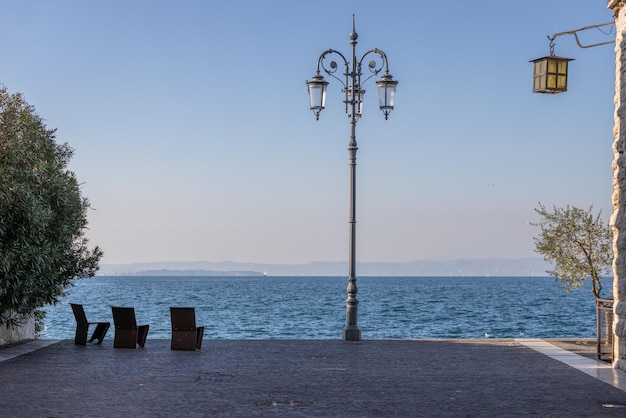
x=618 y=219
x=26 y=331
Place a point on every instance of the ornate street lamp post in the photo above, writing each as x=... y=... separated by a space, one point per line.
x=353 y=89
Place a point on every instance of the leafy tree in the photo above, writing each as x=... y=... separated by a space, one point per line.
x=579 y=244
x=43 y=217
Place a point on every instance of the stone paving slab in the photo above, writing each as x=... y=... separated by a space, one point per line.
x=24 y=348
x=583 y=346
x=327 y=378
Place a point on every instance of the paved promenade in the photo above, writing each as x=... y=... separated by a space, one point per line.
x=308 y=378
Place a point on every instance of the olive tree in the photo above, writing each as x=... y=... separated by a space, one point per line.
x=578 y=243
x=43 y=217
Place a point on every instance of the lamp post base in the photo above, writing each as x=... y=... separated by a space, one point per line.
x=351 y=334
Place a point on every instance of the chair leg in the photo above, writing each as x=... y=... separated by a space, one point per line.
x=199 y=335
x=100 y=332
x=80 y=338
x=142 y=334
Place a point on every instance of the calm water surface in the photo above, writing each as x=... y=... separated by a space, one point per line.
x=314 y=307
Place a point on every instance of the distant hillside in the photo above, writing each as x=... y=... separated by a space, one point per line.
x=170 y=272
x=532 y=266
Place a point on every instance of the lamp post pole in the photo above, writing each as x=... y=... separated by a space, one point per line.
x=352 y=87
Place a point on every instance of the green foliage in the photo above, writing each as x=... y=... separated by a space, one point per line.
x=43 y=217
x=39 y=315
x=578 y=243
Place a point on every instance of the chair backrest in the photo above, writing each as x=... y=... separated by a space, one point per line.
x=124 y=318
x=79 y=313
x=183 y=319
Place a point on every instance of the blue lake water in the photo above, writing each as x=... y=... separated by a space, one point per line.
x=314 y=307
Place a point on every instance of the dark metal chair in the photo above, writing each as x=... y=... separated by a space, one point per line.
x=185 y=334
x=127 y=333
x=82 y=327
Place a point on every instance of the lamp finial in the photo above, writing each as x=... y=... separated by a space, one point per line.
x=353 y=34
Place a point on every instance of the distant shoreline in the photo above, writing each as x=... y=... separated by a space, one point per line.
x=183 y=273
x=520 y=267
x=188 y=273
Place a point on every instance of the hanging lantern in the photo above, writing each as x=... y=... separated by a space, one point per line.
x=317 y=94
x=358 y=98
x=386 y=93
x=550 y=74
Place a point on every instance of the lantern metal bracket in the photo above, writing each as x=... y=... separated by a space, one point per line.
x=353 y=78
x=575 y=33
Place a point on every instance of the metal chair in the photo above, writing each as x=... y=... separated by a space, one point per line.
x=82 y=327
x=185 y=334
x=127 y=333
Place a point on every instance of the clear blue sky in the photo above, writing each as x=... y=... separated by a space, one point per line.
x=194 y=140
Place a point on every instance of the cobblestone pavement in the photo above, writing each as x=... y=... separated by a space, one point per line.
x=247 y=378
